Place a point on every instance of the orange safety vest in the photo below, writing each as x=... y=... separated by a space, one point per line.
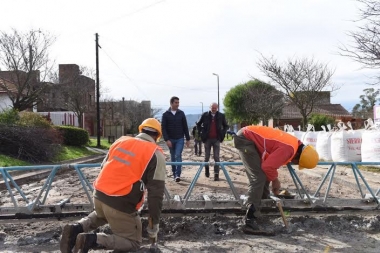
x=127 y=160
x=272 y=134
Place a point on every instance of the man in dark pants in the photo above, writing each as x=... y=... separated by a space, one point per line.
x=263 y=150
x=213 y=127
x=197 y=141
x=174 y=130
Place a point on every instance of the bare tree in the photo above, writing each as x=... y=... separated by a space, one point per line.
x=76 y=89
x=365 y=47
x=301 y=80
x=107 y=110
x=155 y=111
x=25 y=59
x=134 y=115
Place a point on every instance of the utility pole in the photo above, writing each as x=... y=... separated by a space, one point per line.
x=97 y=89
x=123 y=119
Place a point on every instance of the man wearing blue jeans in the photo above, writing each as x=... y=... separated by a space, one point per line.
x=174 y=131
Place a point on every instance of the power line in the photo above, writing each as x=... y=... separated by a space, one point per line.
x=150 y=58
x=122 y=71
x=131 y=13
x=95 y=26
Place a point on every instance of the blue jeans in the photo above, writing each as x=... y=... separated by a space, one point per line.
x=176 y=155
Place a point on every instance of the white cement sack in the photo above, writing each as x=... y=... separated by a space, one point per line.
x=371 y=143
x=323 y=145
x=310 y=136
x=346 y=144
x=290 y=130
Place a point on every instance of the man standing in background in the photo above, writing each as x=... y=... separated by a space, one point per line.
x=174 y=130
x=197 y=141
x=213 y=128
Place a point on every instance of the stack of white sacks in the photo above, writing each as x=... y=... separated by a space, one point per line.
x=343 y=143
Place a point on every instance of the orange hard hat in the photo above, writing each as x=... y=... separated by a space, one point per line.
x=153 y=125
x=309 y=158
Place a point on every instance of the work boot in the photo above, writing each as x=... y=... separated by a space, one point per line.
x=69 y=236
x=216 y=177
x=207 y=171
x=251 y=227
x=85 y=242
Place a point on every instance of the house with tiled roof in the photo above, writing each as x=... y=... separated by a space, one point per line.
x=291 y=114
x=5 y=87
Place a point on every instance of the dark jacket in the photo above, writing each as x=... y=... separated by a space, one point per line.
x=196 y=134
x=174 y=126
x=205 y=122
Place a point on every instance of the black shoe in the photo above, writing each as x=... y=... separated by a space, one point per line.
x=178 y=179
x=69 y=236
x=251 y=228
x=85 y=242
x=207 y=172
x=216 y=177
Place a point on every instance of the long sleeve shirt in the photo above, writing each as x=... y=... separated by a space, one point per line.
x=273 y=151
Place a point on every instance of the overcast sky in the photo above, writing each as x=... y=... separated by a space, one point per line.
x=152 y=49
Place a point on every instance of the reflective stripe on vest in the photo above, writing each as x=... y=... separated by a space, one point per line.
x=268 y=133
x=127 y=160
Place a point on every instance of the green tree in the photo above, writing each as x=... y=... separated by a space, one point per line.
x=253 y=101
x=318 y=120
x=9 y=116
x=364 y=109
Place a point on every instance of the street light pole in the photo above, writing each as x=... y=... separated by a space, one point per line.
x=202 y=106
x=218 y=87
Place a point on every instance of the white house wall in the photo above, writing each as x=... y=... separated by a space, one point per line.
x=5 y=102
x=62 y=118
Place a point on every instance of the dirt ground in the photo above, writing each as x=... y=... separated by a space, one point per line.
x=353 y=232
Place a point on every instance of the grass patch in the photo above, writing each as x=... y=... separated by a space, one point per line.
x=103 y=143
x=6 y=161
x=71 y=152
x=369 y=168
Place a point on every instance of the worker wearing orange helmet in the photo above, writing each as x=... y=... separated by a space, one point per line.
x=132 y=165
x=263 y=150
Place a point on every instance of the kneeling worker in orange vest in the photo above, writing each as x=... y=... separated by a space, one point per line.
x=132 y=165
x=263 y=150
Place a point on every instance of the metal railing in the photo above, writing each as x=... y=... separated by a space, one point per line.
x=306 y=199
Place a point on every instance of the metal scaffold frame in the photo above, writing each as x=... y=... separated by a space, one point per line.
x=183 y=204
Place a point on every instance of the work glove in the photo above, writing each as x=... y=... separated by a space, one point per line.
x=152 y=232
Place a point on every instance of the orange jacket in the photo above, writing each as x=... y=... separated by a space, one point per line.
x=127 y=160
x=275 y=147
